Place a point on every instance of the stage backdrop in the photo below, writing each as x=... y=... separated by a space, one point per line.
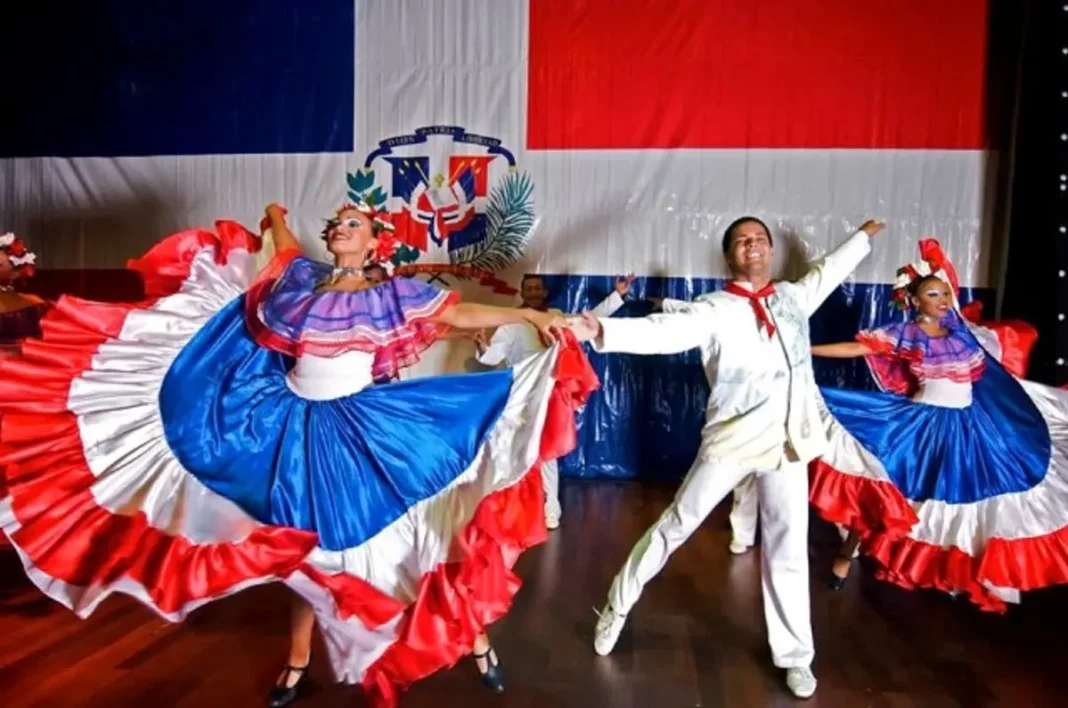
x=575 y=138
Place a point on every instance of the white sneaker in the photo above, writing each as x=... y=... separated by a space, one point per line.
x=609 y=625
x=738 y=548
x=552 y=522
x=801 y=681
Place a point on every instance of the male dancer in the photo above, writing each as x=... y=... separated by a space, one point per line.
x=762 y=419
x=513 y=343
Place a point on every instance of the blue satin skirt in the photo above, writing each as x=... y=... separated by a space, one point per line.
x=343 y=468
x=998 y=445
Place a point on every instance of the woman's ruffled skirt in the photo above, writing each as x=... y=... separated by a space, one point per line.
x=970 y=500
x=152 y=449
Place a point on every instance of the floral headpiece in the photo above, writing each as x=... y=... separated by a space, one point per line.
x=380 y=220
x=22 y=259
x=932 y=262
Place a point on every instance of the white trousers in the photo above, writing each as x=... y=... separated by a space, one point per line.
x=783 y=558
x=745 y=511
x=550 y=480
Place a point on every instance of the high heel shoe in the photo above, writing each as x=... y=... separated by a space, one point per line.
x=493 y=676
x=282 y=695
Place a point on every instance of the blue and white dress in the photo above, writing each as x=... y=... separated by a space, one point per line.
x=955 y=474
x=227 y=433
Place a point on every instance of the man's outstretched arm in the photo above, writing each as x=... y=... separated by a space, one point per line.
x=655 y=334
x=829 y=272
x=611 y=304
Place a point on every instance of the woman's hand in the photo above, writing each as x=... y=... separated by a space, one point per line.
x=585 y=327
x=551 y=326
x=275 y=213
x=276 y=222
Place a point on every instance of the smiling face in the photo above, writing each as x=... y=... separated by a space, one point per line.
x=749 y=250
x=532 y=292
x=932 y=298
x=352 y=235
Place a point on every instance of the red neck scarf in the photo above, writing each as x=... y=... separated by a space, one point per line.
x=755 y=299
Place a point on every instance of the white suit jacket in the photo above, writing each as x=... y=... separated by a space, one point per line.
x=514 y=342
x=763 y=399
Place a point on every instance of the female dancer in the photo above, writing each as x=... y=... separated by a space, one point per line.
x=20 y=313
x=210 y=439
x=955 y=475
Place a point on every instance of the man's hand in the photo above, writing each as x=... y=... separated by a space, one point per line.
x=624 y=282
x=585 y=327
x=480 y=339
x=872 y=227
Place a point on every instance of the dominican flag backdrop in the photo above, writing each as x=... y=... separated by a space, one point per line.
x=579 y=139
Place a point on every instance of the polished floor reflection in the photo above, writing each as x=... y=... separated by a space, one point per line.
x=695 y=639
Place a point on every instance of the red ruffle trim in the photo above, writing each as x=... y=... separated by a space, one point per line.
x=1023 y=564
x=64 y=532
x=863 y=505
x=166 y=265
x=883 y=517
x=889 y=366
x=1017 y=338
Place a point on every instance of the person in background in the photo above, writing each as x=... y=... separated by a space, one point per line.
x=376 y=274
x=513 y=343
x=20 y=313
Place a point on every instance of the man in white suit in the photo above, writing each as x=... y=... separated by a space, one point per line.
x=511 y=344
x=762 y=420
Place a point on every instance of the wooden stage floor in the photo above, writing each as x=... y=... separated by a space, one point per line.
x=695 y=639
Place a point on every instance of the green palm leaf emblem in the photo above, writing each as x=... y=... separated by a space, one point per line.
x=509 y=226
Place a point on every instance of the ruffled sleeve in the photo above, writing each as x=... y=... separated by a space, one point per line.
x=393 y=320
x=892 y=353
x=904 y=356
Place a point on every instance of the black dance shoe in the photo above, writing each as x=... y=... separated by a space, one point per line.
x=493 y=677
x=282 y=695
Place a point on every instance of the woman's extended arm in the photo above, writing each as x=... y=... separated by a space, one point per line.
x=842 y=350
x=469 y=315
x=283 y=237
